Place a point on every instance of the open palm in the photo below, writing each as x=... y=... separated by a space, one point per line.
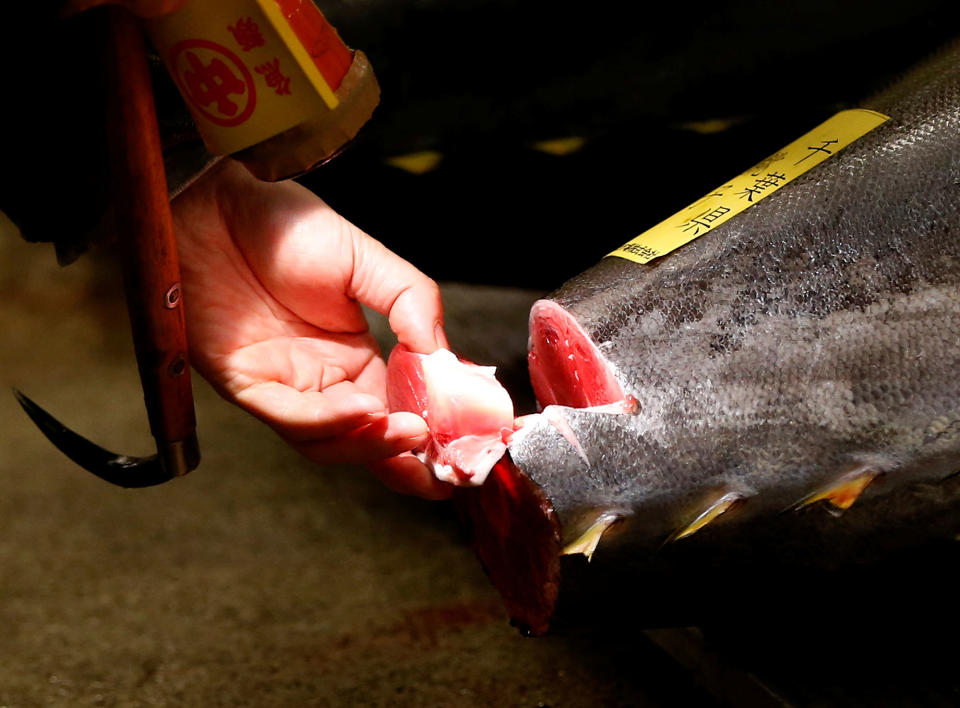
x=273 y=279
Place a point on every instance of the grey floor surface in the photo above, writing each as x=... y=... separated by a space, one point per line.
x=260 y=579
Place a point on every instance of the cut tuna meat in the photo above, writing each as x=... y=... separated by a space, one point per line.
x=467 y=410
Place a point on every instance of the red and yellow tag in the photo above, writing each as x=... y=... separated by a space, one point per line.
x=244 y=70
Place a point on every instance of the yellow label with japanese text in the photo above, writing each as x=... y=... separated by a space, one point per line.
x=745 y=190
x=242 y=71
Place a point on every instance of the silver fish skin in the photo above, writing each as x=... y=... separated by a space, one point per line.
x=813 y=335
x=813 y=338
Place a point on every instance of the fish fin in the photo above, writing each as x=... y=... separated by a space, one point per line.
x=587 y=543
x=555 y=417
x=843 y=492
x=711 y=513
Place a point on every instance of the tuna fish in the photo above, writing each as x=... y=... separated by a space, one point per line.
x=801 y=358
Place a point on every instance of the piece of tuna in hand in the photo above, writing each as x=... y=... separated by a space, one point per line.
x=467 y=410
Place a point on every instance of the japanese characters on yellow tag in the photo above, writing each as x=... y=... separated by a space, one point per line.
x=744 y=190
x=241 y=70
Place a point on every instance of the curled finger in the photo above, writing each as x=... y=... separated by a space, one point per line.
x=300 y=416
x=407 y=475
x=387 y=436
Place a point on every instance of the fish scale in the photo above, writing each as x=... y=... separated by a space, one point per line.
x=810 y=343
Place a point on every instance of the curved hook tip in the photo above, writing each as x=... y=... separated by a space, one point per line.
x=121 y=470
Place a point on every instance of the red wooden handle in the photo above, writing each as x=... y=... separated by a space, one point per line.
x=145 y=227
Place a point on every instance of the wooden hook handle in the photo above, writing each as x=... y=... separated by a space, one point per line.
x=145 y=227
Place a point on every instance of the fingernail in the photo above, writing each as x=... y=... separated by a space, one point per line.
x=440 y=336
x=418 y=436
x=404 y=425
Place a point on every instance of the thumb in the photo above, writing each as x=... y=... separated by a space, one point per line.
x=394 y=287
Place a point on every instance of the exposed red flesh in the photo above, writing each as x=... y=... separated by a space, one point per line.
x=566 y=368
x=517 y=537
x=467 y=411
x=515 y=531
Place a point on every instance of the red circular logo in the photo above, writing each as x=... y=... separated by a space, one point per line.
x=214 y=81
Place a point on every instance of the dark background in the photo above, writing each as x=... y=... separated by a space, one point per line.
x=480 y=81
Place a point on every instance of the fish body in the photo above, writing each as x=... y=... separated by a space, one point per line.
x=806 y=353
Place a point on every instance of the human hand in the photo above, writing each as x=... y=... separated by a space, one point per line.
x=273 y=279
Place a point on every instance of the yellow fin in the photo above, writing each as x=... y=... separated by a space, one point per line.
x=711 y=513
x=417 y=163
x=587 y=543
x=842 y=493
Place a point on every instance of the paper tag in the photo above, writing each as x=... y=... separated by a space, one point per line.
x=241 y=69
x=745 y=190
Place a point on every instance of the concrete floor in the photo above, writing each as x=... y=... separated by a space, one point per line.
x=258 y=580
